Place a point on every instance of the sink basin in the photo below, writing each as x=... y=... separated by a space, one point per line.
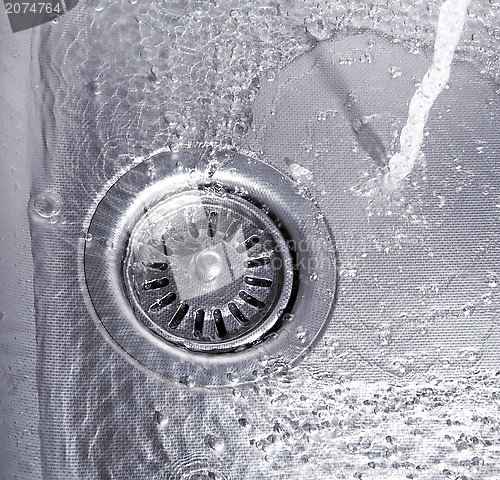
x=204 y=275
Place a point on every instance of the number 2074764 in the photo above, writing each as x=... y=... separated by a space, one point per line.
x=33 y=7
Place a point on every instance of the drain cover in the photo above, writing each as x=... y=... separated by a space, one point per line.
x=208 y=268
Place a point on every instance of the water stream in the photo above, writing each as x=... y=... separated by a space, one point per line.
x=450 y=25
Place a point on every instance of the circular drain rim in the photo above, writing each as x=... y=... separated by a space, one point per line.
x=248 y=334
x=125 y=200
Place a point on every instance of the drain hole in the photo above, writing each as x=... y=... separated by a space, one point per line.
x=251 y=300
x=257 y=262
x=155 y=284
x=193 y=230
x=237 y=313
x=179 y=315
x=219 y=323
x=198 y=323
x=167 y=250
x=224 y=275
x=161 y=247
x=231 y=231
x=156 y=265
x=212 y=224
x=248 y=244
x=163 y=302
x=258 y=282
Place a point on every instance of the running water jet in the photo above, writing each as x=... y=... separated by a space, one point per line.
x=449 y=29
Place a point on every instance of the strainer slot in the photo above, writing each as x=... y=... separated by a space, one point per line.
x=164 y=301
x=251 y=300
x=212 y=224
x=231 y=230
x=257 y=262
x=237 y=313
x=248 y=244
x=258 y=282
x=179 y=315
x=156 y=284
x=199 y=319
x=219 y=323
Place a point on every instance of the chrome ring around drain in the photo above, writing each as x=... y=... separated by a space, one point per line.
x=208 y=271
x=138 y=249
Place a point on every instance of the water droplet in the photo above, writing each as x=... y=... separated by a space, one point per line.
x=243 y=422
x=161 y=418
x=385 y=337
x=366 y=58
x=215 y=443
x=442 y=200
x=301 y=334
x=395 y=72
x=270 y=75
x=301 y=174
x=470 y=355
x=492 y=280
x=188 y=381
x=95 y=87
x=319 y=28
x=468 y=309
x=48 y=204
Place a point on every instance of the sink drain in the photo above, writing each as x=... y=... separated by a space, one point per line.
x=208 y=268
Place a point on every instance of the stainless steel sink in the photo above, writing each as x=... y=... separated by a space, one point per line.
x=202 y=275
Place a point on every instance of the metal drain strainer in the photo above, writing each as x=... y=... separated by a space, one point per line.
x=208 y=268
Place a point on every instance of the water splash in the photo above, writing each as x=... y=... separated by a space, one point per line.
x=450 y=24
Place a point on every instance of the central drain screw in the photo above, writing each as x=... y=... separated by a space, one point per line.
x=208 y=265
